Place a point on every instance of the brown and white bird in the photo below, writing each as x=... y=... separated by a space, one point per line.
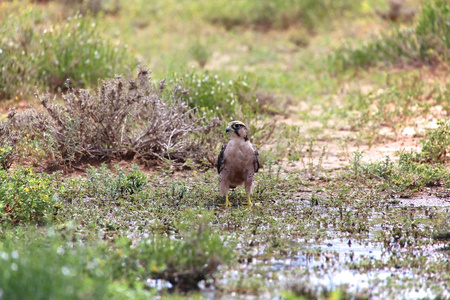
x=238 y=162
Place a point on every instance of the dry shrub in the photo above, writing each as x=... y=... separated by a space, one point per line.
x=123 y=119
x=9 y=139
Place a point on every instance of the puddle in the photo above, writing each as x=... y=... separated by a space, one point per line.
x=328 y=266
x=352 y=251
x=426 y=201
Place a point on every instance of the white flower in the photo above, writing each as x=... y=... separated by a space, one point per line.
x=65 y=271
x=4 y=255
x=60 y=250
x=14 y=267
x=15 y=254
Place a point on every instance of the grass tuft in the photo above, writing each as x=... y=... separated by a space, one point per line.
x=427 y=42
x=33 y=53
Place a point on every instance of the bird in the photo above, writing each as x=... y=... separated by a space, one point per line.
x=238 y=161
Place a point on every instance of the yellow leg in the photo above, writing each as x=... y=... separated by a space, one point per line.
x=227 y=202
x=249 y=202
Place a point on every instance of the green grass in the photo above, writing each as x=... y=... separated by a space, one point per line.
x=37 y=267
x=35 y=52
x=275 y=14
x=425 y=42
x=131 y=232
x=398 y=102
x=27 y=197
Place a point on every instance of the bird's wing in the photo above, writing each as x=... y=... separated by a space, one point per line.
x=221 y=159
x=256 y=159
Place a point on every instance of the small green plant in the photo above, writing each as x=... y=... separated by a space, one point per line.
x=183 y=262
x=103 y=184
x=214 y=96
x=408 y=175
x=199 y=53
x=26 y=196
x=436 y=144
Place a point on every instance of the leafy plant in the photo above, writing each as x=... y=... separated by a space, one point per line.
x=436 y=144
x=200 y=53
x=103 y=184
x=27 y=197
x=184 y=262
x=407 y=175
x=212 y=95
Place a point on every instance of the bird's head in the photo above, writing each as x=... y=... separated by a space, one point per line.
x=237 y=129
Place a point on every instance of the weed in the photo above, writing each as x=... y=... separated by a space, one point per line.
x=408 y=176
x=184 y=262
x=200 y=53
x=214 y=96
x=436 y=144
x=102 y=184
x=27 y=197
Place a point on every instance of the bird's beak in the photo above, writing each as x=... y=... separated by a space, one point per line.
x=227 y=130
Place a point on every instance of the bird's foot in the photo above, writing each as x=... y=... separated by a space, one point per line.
x=227 y=203
x=249 y=202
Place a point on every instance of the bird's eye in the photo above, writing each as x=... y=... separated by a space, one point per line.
x=236 y=126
